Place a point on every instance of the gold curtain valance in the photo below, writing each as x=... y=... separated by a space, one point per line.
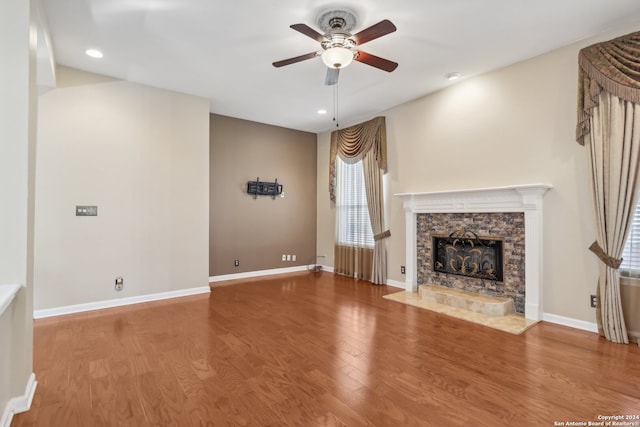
x=612 y=66
x=352 y=143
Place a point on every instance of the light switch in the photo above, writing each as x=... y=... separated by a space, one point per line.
x=86 y=210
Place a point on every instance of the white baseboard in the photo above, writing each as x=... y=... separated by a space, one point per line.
x=634 y=336
x=396 y=284
x=258 y=273
x=98 y=305
x=327 y=268
x=572 y=323
x=19 y=404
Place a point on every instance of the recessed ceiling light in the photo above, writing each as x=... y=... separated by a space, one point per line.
x=452 y=76
x=94 y=53
x=322 y=111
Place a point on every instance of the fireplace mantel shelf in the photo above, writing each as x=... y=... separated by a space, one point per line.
x=486 y=190
x=525 y=198
x=514 y=198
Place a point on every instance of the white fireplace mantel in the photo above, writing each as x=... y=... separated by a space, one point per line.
x=515 y=198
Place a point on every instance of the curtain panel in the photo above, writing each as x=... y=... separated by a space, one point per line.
x=609 y=123
x=354 y=261
x=614 y=158
x=367 y=142
x=375 y=204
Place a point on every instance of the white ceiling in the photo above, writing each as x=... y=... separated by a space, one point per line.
x=223 y=49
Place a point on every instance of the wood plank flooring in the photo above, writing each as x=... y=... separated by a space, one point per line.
x=314 y=349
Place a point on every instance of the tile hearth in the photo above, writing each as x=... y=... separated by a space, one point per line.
x=480 y=309
x=477 y=303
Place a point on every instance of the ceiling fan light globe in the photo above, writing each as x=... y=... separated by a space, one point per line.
x=337 y=57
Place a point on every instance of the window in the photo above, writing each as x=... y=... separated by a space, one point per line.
x=631 y=254
x=353 y=227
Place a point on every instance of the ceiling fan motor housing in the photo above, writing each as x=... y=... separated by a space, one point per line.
x=338 y=40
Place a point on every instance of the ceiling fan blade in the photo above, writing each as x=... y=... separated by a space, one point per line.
x=380 y=29
x=375 y=61
x=308 y=31
x=295 y=59
x=332 y=76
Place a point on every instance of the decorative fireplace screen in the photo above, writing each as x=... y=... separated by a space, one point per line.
x=464 y=253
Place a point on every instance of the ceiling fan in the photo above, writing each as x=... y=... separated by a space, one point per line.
x=339 y=46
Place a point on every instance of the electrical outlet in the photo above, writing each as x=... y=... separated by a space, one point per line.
x=119 y=283
x=288 y=257
x=284 y=257
x=402 y=270
x=593 y=300
x=293 y=257
x=236 y=263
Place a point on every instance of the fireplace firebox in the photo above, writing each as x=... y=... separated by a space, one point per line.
x=464 y=253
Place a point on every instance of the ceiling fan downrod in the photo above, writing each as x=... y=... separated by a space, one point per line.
x=337 y=23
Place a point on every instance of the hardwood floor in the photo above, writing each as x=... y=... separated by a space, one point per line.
x=314 y=349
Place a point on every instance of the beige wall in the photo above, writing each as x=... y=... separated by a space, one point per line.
x=258 y=231
x=326 y=209
x=512 y=126
x=17 y=147
x=141 y=155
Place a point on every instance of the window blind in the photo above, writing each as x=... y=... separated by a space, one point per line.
x=353 y=227
x=631 y=253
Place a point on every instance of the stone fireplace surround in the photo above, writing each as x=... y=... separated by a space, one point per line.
x=516 y=198
x=506 y=226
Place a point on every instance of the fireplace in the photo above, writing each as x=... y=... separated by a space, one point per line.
x=464 y=253
x=518 y=209
x=496 y=245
